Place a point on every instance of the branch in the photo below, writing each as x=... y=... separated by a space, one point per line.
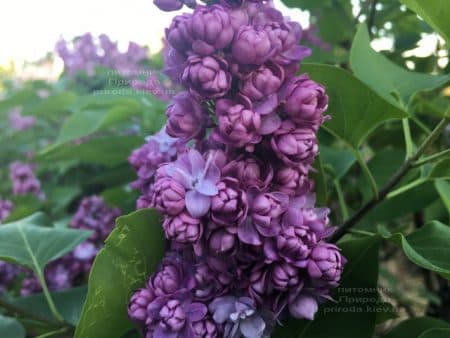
x=371 y=20
x=401 y=172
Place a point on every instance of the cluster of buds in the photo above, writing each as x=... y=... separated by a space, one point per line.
x=86 y=53
x=248 y=244
x=94 y=215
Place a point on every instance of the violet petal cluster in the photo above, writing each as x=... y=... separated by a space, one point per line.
x=8 y=273
x=94 y=215
x=248 y=245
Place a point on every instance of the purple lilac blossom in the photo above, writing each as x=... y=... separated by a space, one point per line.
x=87 y=52
x=8 y=273
x=248 y=246
x=20 y=122
x=6 y=208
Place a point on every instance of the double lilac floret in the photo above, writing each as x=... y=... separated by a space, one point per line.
x=248 y=246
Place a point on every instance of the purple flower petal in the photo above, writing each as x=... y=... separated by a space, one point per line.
x=197 y=163
x=247 y=233
x=197 y=204
x=196 y=311
x=253 y=327
x=304 y=307
x=222 y=308
x=206 y=187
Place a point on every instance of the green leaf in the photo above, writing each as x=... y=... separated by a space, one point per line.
x=11 y=328
x=355 y=109
x=434 y=12
x=52 y=105
x=443 y=188
x=394 y=83
x=131 y=254
x=413 y=328
x=69 y=303
x=109 y=151
x=428 y=247
x=436 y=333
x=33 y=243
x=353 y=314
x=339 y=160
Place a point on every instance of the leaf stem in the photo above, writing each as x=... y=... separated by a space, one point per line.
x=392 y=183
x=367 y=174
x=342 y=204
x=432 y=158
x=408 y=138
x=48 y=297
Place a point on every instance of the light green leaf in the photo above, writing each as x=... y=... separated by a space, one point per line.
x=443 y=188
x=434 y=12
x=413 y=328
x=11 y=328
x=109 y=151
x=356 y=298
x=394 y=83
x=321 y=188
x=355 y=109
x=436 y=333
x=32 y=242
x=52 y=105
x=69 y=303
x=131 y=254
x=428 y=247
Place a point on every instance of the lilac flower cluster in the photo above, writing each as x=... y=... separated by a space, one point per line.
x=23 y=180
x=86 y=53
x=19 y=122
x=92 y=214
x=6 y=207
x=248 y=244
x=8 y=273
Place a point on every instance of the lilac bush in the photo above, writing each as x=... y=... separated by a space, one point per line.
x=6 y=207
x=237 y=201
x=19 y=122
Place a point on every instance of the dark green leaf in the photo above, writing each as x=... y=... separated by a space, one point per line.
x=339 y=160
x=320 y=182
x=434 y=12
x=355 y=109
x=413 y=328
x=31 y=241
x=69 y=303
x=385 y=77
x=436 y=333
x=131 y=253
x=441 y=170
x=11 y=328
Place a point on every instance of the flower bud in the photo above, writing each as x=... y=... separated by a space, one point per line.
x=211 y=29
x=304 y=101
x=251 y=46
x=183 y=228
x=295 y=146
x=207 y=77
